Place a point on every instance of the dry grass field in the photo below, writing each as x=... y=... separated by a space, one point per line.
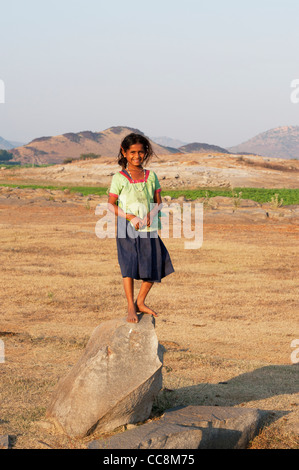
x=227 y=316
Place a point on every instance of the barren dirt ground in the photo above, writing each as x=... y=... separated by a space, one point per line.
x=176 y=171
x=227 y=316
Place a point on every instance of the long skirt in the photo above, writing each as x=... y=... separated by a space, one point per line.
x=141 y=255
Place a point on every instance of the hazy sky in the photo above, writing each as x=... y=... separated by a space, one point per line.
x=210 y=71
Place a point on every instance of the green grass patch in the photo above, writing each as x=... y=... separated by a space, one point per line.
x=25 y=165
x=85 y=190
x=261 y=195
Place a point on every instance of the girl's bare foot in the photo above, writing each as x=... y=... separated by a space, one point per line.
x=141 y=307
x=132 y=316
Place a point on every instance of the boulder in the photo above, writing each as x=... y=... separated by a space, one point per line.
x=191 y=427
x=113 y=383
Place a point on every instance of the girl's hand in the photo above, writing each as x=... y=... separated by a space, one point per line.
x=137 y=222
x=147 y=220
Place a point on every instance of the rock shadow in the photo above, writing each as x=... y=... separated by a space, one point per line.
x=260 y=384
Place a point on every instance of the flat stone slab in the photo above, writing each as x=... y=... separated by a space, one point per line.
x=191 y=427
x=4 y=442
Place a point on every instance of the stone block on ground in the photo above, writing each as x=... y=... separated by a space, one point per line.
x=4 y=442
x=114 y=382
x=190 y=427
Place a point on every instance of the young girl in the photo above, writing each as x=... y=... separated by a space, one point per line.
x=141 y=252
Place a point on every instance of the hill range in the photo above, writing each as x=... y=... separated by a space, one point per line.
x=55 y=149
x=280 y=142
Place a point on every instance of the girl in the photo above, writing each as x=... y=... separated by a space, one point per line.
x=134 y=196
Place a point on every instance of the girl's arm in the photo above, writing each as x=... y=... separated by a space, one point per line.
x=113 y=207
x=158 y=201
x=150 y=216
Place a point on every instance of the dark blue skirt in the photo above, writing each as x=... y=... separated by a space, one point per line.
x=141 y=255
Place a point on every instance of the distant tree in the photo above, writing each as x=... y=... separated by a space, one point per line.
x=87 y=156
x=5 y=155
x=83 y=156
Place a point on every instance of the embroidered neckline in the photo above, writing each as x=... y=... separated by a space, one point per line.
x=126 y=174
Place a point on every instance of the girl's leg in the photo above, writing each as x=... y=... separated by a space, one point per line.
x=129 y=290
x=139 y=304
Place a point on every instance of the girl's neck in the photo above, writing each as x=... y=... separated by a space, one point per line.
x=134 y=168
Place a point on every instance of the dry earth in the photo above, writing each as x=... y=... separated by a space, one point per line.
x=175 y=172
x=227 y=316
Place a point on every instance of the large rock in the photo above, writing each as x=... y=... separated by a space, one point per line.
x=114 y=382
x=191 y=427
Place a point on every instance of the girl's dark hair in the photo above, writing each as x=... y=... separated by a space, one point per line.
x=132 y=139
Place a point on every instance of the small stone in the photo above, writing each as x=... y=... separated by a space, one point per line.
x=130 y=426
x=4 y=442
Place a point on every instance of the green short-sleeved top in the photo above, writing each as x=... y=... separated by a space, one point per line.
x=132 y=199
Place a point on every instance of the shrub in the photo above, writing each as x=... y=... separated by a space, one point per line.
x=87 y=156
x=5 y=155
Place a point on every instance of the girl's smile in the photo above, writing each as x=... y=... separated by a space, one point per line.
x=135 y=156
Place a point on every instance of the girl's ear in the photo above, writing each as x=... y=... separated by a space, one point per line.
x=123 y=152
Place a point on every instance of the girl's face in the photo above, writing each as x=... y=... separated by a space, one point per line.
x=134 y=155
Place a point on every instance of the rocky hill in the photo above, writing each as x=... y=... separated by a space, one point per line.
x=201 y=148
x=281 y=142
x=55 y=149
